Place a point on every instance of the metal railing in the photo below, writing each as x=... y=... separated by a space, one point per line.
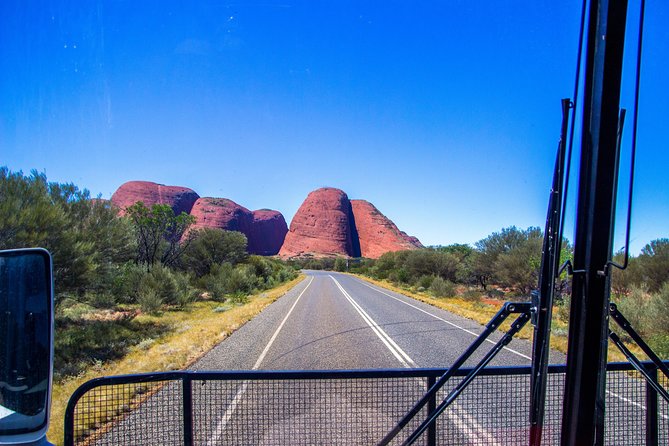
x=343 y=408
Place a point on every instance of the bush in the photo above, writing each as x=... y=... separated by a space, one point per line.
x=126 y=281
x=425 y=281
x=149 y=300
x=495 y=294
x=472 y=294
x=215 y=283
x=212 y=246
x=340 y=264
x=442 y=288
x=658 y=311
x=161 y=280
x=635 y=308
x=400 y=276
x=563 y=306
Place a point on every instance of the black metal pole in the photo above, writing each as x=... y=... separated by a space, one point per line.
x=431 y=406
x=187 y=409
x=583 y=404
x=550 y=260
x=652 y=432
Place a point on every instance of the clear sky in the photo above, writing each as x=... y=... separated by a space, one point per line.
x=445 y=115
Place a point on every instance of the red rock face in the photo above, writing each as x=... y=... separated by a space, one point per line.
x=322 y=226
x=377 y=233
x=264 y=229
x=267 y=232
x=221 y=213
x=180 y=199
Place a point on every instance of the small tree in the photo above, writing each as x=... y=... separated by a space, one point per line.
x=212 y=246
x=159 y=233
x=340 y=264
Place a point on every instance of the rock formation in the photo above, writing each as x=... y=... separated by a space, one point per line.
x=264 y=229
x=322 y=226
x=267 y=233
x=329 y=224
x=377 y=233
x=180 y=199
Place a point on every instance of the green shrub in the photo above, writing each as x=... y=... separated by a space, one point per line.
x=101 y=299
x=125 y=282
x=472 y=294
x=242 y=280
x=442 y=288
x=563 y=309
x=161 y=280
x=495 y=294
x=658 y=312
x=425 y=281
x=215 y=283
x=400 y=276
x=635 y=308
x=149 y=300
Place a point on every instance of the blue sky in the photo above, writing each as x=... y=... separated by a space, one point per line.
x=445 y=115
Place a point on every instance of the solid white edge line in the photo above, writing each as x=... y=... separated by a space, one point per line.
x=391 y=345
x=622 y=398
x=213 y=440
x=442 y=319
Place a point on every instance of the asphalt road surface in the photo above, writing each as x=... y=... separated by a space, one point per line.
x=333 y=321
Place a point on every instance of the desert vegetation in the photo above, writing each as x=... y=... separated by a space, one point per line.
x=121 y=279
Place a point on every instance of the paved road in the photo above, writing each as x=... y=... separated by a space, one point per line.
x=341 y=322
x=336 y=321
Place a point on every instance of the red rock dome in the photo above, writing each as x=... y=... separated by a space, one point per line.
x=180 y=199
x=377 y=233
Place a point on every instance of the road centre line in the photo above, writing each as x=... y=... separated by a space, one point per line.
x=443 y=320
x=214 y=439
x=395 y=349
x=464 y=422
x=622 y=398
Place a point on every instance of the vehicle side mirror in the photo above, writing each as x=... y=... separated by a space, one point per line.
x=26 y=345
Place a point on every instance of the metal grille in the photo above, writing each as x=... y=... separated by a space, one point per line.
x=625 y=409
x=129 y=414
x=335 y=408
x=309 y=412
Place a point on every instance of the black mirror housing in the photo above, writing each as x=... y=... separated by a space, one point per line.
x=26 y=345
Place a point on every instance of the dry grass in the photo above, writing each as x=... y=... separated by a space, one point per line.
x=483 y=311
x=193 y=333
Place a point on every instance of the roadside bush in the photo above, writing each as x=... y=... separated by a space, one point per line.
x=161 y=280
x=658 y=311
x=425 y=281
x=215 y=283
x=212 y=246
x=635 y=308
x=495 y=294
x=442 y=288
x=472 y=295
x=242 y=279
x=125 y=283
x=563 y=306
x=400 y=276
x=149 y=300
x=340 y=264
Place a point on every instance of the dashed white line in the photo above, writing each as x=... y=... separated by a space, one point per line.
x=443 y=320
x=216 y=435
x=464 y=422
